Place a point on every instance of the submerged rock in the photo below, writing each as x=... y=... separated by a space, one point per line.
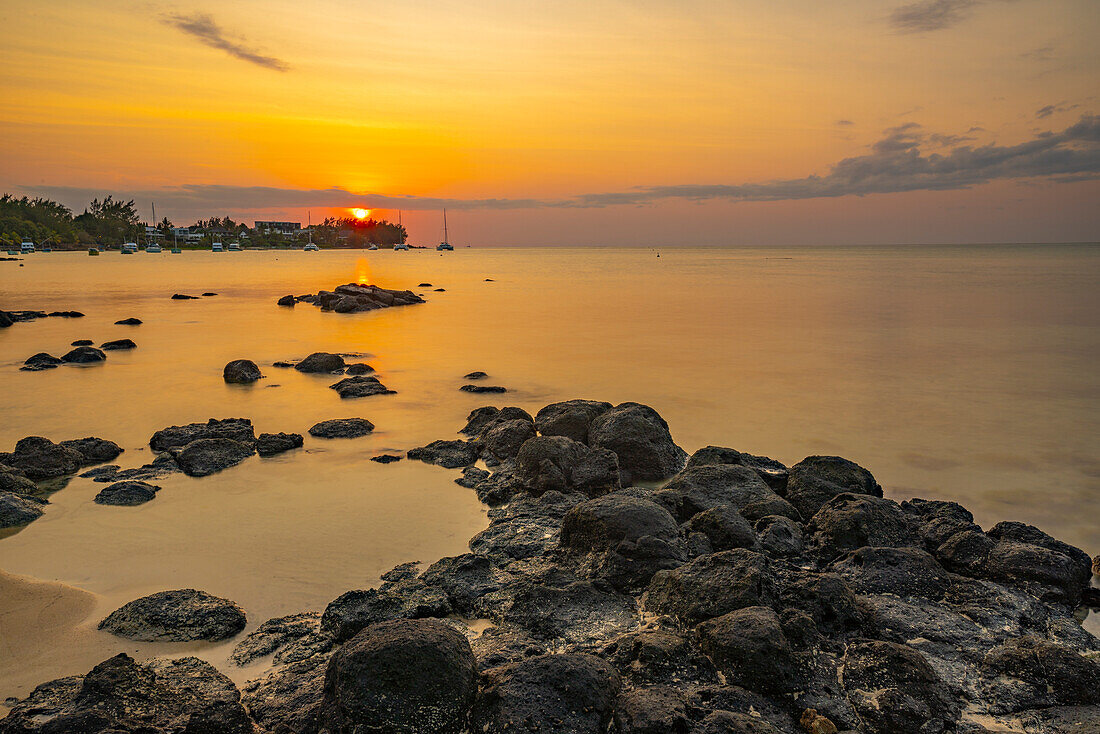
x=94 y=450
x=359 y=368
x=386 y=458
x=449 y=454
x=126 y=493
x=241 y=371
x=118 y=344
x=360 y=387
x=183 y=297
x=320 y=362
x=286 y=301
x=84 y=355
x=176 y=616
x=356 y=298
x=42 y=359
x=39 y=458
x=342 y=428
x=269 y=444
x=209 y=455
x=483 y=388
x=129 y=322
x=475 y=375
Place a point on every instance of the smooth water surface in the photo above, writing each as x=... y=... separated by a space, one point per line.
x=962 y=373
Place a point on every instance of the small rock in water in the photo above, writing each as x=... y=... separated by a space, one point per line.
x=40 y=458
x=321 y=362
x=209 y=455
x=483 y=388
x=129 y=322
x=440 y=290
x=19 y=509
x=269 y=444
x=118 y=344
x=360 y=387
x=488 y=280
x=342 y=428
x=241 y=371
x=67 y=314
x=286 y=301
x=182 y=297
x=84 y=355
x=37 y=367
x=82 y=343
x=238 y=429
x=210 y=293
x=42 y=359
x=471 y=477
x=448 y=454
x=424 y=285
x=282 y=364
x=359 y=368
x=126 y=493
x=94 y=450
x=475 y=375
x=182 y=615
x=386 y=458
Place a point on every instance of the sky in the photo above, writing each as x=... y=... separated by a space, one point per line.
x=610 y=122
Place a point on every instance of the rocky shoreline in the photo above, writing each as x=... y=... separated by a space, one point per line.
x=622 y=586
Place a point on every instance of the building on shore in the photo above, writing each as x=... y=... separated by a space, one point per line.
x=283 y=228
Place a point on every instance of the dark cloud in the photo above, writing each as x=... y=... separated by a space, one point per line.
x=896 y=163
x=1050 y=109
x=203 y=27
x=930 y=15
x=946 y=141
x=1045 y=53
x=844 y=123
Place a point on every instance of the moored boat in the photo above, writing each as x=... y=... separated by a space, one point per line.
x=217 y=247
x=93 y=251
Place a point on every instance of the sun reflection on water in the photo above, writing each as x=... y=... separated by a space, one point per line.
x=362 y=271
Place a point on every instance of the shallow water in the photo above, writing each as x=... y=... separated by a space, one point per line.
x=963 y=373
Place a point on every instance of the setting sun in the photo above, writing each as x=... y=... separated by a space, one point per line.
x=360 y=213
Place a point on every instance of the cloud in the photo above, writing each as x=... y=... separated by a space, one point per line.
x=1050 y=109
x=896 y=163
x=203 y=27
x=930 y=15
x=1045 y=53
x=844 y=123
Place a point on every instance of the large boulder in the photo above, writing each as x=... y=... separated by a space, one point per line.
x=570 y=418
x=84 y=355
x=353 y=611
x=557 y=463
x=321 y=362
x=773 y=472
x=94 y=450
x=361 y=386
x=209 y=455
x=750 y=649
x=501 y=441
x=269 y=444
x=898 y=571
x=712 y=485
x=19 y=509
x=448 y=454
x=181 y=615
x=117 y=344
x=40 y=458
x=187 y=695
x=342 y=428
x=817 y=479
x=724 y=528
x=241 y=372
x=41 y=360
x=401 y=677
x=893 y=689
x=15 y=480
x=238 y=429
x=549 y=694
x=1030 y=672
x=713 y=585
x=849 y=521
x=640 y=438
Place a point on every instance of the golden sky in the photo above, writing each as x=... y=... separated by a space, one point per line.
x=561 y=121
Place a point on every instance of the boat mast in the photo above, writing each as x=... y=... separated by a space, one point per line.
x=445 y=238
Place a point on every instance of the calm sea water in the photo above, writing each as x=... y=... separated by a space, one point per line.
x=962 y=373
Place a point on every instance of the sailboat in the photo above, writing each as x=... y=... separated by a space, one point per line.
x=444 y=245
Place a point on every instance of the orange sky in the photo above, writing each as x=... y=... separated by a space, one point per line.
x=523 y=117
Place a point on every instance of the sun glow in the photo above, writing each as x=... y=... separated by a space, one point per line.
x=361 y=213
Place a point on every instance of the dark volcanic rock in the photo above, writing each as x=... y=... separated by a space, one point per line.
x=471 y=477
x=238 y=429
x=84 y=355
x=894 y=689
x=386 y=458
x=353 y=611
x=355 y=298
x=550 y=694
x=209 y=455
x=360 y=387
x=321 y=362
x=401 y=676
x=817 y=479
x=82 y=343
x=342 y=428
x=546 y=463
x=118 y=344
x=286 y=301
x=739 y=487
x=40 y=458
x=577 y=613
x=288 y=699
x=269 y=444
x=42 y=359
x=19 y=509
x=241 y=371
x=209 y=293
x=14 y=480
x=1030 y=672
x=5 y=319
x=659 y=656
x=94 y=450
x=724 y=527
x=187 y=695
x=641 y=440
x=176 y=616
x=779 y=535
x=448 y=454
x=475 y=376
x=38 y=367
x=126 y=493
x=483 y=388
x=750 y=649
x=359 y=368
x=899 y=571
x=501 y=440
x=849 y=521
x=182 y=297
x=570 y=418
x=713 y=585
x=66 y=314
x=652 y=710
x=291 y=638
x=129 y=322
